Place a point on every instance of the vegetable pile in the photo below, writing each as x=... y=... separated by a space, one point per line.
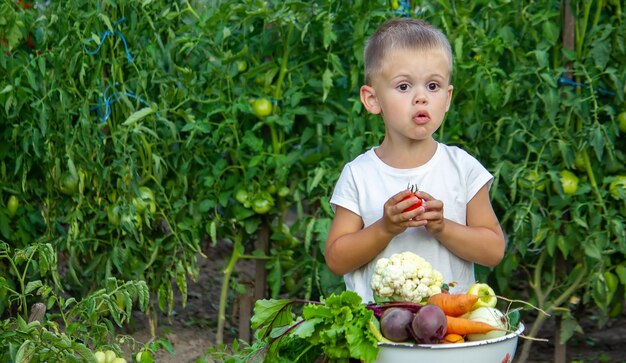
x=444 y=318
x=412 y=305
x=341 y=326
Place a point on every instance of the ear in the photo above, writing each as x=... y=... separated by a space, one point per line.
x=450 y=89
x=369 y=100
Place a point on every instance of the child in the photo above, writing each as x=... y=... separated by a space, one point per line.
x=408 y=69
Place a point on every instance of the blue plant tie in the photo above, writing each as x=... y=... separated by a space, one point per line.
x=568 y=82
x=108 y=100
x=404 y=9
x=107 y=33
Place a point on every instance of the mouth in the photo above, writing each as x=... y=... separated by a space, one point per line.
x=421 y=117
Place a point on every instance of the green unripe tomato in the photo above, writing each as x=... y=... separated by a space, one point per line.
x=12 y=206
x=242 y=65
x=290 y=284
x=144 y=357
x=618 y=187
x=144 y=200
x=242 y=196
x=569 y=182
x=612 y=282
x=100 y=356
x=283 y=191
x=261 y=205
x=262 y=107
x=272 y=189
x=579 y=162
x=131 y=220
x=119 y=360
x=109 y=356
x=69 y=184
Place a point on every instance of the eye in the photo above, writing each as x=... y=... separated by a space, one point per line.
x=403 y=87
x=433 y=86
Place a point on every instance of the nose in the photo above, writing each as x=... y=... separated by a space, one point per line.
x=420 y=97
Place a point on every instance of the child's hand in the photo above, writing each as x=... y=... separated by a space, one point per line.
x=433 y=213
x=395 y=221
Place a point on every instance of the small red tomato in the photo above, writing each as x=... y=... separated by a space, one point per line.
x=414 y=189
x=414 y=206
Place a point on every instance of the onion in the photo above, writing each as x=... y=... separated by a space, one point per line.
x=491 y=316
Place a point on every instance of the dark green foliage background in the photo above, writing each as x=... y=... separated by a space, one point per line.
x=181 y=124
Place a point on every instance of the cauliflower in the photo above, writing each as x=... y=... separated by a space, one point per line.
x=405 y=277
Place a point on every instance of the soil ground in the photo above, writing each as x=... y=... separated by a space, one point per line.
x=191 y=330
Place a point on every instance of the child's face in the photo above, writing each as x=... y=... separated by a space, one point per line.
x=412 y=91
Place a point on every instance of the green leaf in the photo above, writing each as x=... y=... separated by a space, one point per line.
x=24 y=352
x=306 y=329
x=593 y=251
x=275 y=277
x=493 y=94
x=32 y=286
x=327 y=83
x=138 y=115
x=270 y=313
x=542 y=57
x=318 y=311
x=551 y=32
x=7 y=88
x=328 y=35
x=601 y=53
x=458 y=47
x=317 y=178
x=551 y=102
x=569 y=326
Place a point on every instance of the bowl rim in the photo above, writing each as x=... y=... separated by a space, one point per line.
x=515 y=334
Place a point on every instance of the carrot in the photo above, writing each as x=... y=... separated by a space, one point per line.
x=453 y=338
x=454 y=304
x=464 y=326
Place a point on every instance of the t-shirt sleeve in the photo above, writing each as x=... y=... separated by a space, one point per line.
x=345 y=193
x=477 y=177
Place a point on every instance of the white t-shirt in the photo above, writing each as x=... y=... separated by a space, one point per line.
x=451 y=175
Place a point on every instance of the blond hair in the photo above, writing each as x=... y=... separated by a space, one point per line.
x=402 y=33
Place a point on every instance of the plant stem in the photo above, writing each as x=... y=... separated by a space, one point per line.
x=221 y=316
x=278 y=92
x=554 y=305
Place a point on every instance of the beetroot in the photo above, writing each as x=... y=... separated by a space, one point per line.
x=379 y=309
x=429 y=325
x=394 y=324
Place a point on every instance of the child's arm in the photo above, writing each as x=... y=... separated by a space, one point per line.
x=480 y=241
x=350 y=246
